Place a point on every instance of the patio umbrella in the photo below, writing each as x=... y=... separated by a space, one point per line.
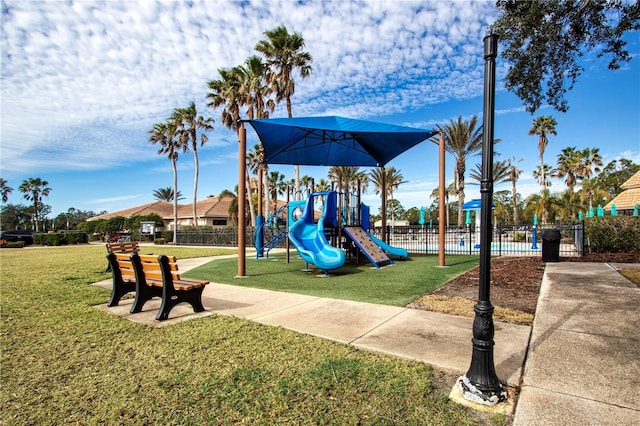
x=334 y=141
x=614 y=212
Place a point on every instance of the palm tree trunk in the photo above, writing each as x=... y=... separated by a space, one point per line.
x=195 y=185
x=175 y=201
x=515 y=202
x=252 y=210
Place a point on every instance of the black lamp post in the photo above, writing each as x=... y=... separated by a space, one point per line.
x=481 y=383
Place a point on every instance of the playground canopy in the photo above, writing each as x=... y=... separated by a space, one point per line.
x=334 y=141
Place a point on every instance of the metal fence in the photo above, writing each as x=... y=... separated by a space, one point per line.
x=506 y=240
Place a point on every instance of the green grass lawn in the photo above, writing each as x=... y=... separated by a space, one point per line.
x=65 y=362
x=396 y=284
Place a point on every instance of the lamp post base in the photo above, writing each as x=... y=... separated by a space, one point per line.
x=472 y=393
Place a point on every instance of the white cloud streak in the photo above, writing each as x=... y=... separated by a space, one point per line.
x=83 y=81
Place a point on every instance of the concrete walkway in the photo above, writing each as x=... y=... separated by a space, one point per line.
x=581 y=362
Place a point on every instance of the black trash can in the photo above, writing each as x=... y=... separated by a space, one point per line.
x=551 y=245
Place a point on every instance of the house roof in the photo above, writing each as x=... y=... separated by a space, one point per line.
x=209 y=207
x=632 y=182
x=629 y=197
x=161 y=208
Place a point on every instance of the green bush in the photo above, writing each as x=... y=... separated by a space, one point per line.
x=167 y=236
x=60 y=238
x=612 y=234
x=13 y=244
x=159 y=241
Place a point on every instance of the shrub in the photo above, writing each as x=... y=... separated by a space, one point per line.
x=159 y=241
x=612 y=234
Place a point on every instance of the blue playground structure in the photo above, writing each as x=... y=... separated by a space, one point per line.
x=309 y=239
x=349 y=232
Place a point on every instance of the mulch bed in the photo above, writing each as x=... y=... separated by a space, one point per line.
x=515 y=281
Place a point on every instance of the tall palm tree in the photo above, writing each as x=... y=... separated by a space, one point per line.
x=449 y=191
x=514 y=175
x=188 y=122
x=34 y=189
x=500 y=172
x=166 y=134
x=543 y=126
x=462 y=140
x=569 y=167
x=255 y=88
x=541 y=175
x=166 y=194
x=278 y=186
x=392 y=179
x=230 y=93
x=590 y=162
x=255 y=165
x=5 y=190
x=284 y=53
x=345 y=176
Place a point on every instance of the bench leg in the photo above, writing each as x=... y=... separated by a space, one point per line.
x=169 y=301
x=120 y=288
x=144 y=293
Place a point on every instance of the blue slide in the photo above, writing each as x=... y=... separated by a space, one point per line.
x=308 y=237
x=390 y=250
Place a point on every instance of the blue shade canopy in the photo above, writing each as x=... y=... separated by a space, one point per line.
x=334 y=141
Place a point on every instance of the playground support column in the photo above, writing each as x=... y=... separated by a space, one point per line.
x=481 y=383
x=383 y=219
x=242 y=170
x=441 y=205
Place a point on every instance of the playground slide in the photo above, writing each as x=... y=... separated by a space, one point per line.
x=309 y=240
x=393 y=251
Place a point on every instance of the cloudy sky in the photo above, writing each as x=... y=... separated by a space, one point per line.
x=83 y=82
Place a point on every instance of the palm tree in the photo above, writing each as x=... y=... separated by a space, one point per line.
x=34 y=189
x=541 y=175
x=283 y=52
x=543 y=126
x=166 y=134
x=590 y=161
x=449 y=190
x=514 y=175
x=591 y=193
x=392 y=179
x=233 y=206
x=278 y=186
x=500 y=172
x=166 y=194
x=229 y=91
x=462 y=140
x=255 y=88
x=188 y=122
x=5 y=190
x=568 y=167
x=255 y=165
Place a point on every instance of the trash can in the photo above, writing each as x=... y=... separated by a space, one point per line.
x=551 y=245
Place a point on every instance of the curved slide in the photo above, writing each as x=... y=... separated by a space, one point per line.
x=390 y=250
x=308 y=237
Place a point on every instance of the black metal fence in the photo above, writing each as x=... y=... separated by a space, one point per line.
x=506 y=240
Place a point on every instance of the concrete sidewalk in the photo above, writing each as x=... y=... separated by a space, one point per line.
x=581 y=363
x=584 y=357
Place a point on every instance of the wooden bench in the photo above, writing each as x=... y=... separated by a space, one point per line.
x=159 y=277
x=127 y=247
x=124 y=277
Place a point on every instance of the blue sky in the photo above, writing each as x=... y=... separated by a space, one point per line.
x=83 y=82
